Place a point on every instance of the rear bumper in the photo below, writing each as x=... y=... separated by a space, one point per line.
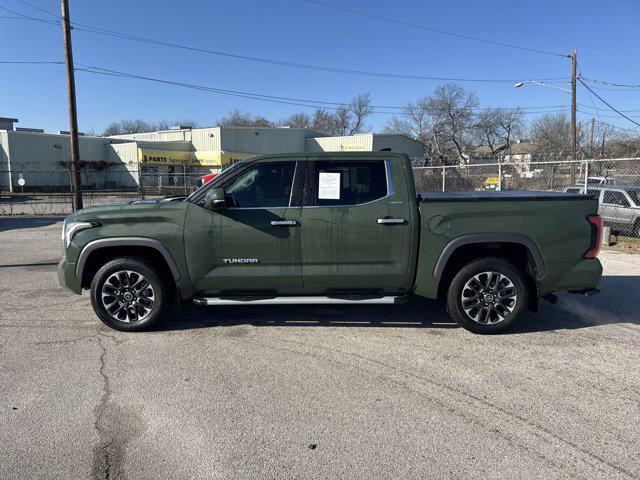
x=67 y=276
x=583 y=276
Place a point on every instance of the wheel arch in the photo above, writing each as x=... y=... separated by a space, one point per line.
x=520 y=250
x=485 y=240
x=97 y=252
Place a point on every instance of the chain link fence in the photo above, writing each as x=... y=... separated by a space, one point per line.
x=50 y=192
x=616 y=182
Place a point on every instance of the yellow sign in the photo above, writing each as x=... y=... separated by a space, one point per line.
x=163 y=157
x=352 y=147
x=204 y=158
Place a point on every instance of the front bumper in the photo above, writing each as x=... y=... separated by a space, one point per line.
x=67 y=276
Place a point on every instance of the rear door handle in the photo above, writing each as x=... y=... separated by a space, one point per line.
x=390 y=221
x=283 y=223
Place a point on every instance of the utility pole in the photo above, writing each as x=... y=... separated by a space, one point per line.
x=76 y=179
x=593 y=127
x=574 y=135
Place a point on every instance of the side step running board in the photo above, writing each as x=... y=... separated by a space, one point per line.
x=300 y=300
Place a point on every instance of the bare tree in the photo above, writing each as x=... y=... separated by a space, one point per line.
x=359 y=110
x=415 y=122
x=346 y=119
x=184 y=122
x=444 y=121
x=238 y=118
x=451 y=108
x=324 y=121
x=127 y=126
x=297 y=120
x=552 y=135
x=496 y=127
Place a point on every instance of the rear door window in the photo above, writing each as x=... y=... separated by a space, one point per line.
x=612 y=197
x=340 y=182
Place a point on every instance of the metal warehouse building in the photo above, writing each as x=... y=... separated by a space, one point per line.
x=42 y=159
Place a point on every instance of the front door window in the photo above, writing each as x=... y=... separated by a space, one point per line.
x=267 y=185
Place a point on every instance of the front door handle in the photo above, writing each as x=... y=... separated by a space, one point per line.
x=283 y=223
x=390 y=221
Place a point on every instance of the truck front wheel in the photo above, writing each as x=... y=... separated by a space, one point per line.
x=129 y=294
x=487 y=296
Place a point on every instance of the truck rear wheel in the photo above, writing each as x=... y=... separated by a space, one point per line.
x=487 y=295
x=129 y=294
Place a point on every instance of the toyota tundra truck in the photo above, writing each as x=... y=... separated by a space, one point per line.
x=332 y=228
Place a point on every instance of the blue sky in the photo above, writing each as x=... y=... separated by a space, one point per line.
x=605 y=34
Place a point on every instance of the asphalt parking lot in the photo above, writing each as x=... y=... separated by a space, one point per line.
x=312 y=392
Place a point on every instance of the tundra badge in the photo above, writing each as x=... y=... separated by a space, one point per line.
x=240 y=260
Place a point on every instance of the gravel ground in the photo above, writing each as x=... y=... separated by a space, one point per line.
x=312 y=392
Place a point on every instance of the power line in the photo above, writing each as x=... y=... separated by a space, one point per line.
x=607 y=103
x=616 y=127
x=252 y=95
x=115 y=34
x=393 y=109
x=594 y=106
x=38 y=8
x=613 y=84
x=30 y=62
x=607 y=109
x=435 y=30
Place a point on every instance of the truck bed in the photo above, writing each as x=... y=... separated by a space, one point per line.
x=491 y=196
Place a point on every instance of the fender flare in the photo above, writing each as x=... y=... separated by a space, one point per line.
x=95 y=245
x=456 y=243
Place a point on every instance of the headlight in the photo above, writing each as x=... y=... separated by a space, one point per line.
x=71 y=229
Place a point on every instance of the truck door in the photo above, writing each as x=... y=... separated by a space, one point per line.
x=616 y=209
x=355 y=229
x=253 y=245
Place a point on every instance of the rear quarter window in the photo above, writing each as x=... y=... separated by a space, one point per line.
x=635 y=196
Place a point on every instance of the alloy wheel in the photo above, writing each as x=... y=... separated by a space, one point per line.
x=127 y=296
x=488 y=297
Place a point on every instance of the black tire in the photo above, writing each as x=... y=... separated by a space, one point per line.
x=147 y=306
x=500 y=312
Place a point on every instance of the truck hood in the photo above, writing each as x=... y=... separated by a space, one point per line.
x=134 y=208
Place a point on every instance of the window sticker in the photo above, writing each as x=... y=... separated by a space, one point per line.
x=328 y=186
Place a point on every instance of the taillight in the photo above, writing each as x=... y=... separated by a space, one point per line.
x=596 y=236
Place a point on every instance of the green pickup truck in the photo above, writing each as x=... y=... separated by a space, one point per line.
x=332 y=228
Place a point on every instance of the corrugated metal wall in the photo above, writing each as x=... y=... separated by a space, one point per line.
x=167 y=135
x=263 y=140
x=206 y=139
x=166 y=145
x=353 y=143
x=125 y=171
x=43 y=160
x=398 y=143
x=4 y=160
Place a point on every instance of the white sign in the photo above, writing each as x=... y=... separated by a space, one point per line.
x=21 y=182
x=329 y=186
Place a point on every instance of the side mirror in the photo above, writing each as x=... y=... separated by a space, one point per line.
x=214 y=199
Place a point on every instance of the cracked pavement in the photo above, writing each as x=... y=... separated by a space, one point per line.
x=312 y=392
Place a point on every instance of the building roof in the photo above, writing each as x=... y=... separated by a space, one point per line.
x=521 y=148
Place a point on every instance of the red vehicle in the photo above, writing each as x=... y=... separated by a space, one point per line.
x=206 y=178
